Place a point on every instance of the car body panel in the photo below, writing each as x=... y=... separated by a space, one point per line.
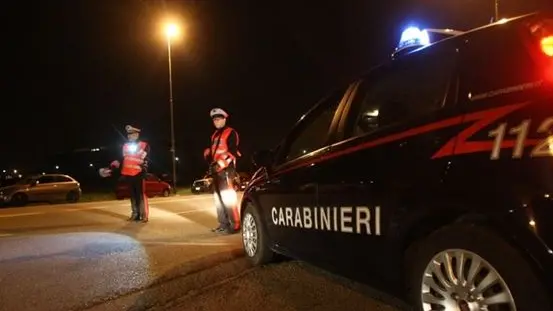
x=154 y=186
x=479 y=154
x=43 y=188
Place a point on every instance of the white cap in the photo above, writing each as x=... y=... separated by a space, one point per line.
x=131 y=130
x=218 y=112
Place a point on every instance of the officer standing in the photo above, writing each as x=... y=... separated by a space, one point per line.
x=133 y=171
x=222 y=158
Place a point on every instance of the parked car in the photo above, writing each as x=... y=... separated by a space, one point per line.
x=154 y=187
x=42 y=188
x=203 y=185
x=429 y=177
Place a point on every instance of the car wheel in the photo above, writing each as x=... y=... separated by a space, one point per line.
x=19 y=199
x=72 y=197
x=465 y=267
x=166 y=193
x=254 y=237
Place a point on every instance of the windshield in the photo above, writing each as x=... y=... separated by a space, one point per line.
x=25 y=181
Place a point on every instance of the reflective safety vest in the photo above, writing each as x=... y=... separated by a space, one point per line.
x=134 y=154
x=219 y=148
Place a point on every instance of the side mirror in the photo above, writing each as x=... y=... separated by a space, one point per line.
x=262 y=158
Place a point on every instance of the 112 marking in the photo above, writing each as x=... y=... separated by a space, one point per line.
x=543 y=148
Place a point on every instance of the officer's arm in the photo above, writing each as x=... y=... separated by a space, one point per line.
x=207 y=152
x=146 y=157
x=232 y=142
x=116 y=164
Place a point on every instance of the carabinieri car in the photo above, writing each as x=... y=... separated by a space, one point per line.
x=429 y=177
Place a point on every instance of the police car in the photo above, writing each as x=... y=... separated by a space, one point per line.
x=430 y=177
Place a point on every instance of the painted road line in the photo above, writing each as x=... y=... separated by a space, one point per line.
x=21 y=214
x=87 y=208
x=4 y=235
x=195 y=210
x=84 y=209
x=182 y=200
x=186 y=243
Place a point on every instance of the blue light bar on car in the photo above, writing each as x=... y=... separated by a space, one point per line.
x=413 y=36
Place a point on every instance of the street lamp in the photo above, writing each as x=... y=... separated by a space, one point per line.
x=496 y=6
x=171 y=32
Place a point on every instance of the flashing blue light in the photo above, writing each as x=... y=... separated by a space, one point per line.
x=413 y=36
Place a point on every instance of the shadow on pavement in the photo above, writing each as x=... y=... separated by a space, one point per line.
x=288 y=285
x=173 y=284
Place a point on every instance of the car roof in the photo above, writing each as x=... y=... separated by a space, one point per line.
x=469 y=33
x=52 y=175
x=452 y=40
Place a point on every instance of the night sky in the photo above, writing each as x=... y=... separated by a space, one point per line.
x=77 y=71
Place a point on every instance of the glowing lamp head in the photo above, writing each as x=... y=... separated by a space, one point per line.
x=171 y=30
x=413 y=36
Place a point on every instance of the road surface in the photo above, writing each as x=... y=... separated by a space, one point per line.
x=87 y=257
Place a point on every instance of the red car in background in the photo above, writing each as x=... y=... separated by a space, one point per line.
x=154 y=187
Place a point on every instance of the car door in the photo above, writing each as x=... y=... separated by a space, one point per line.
x=63 y=185
x=152 y=185
x=44 y=189
x=382 y=166
x=290 y=188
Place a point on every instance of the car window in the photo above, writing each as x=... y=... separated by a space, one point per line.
x=400 y=92
x=46 y=180
x=152 y=178
x=497 y=64
x=312 y=133
x=61 y=179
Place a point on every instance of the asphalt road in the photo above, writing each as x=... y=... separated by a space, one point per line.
x=87 y=257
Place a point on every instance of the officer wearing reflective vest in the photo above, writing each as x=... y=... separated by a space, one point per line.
x=133 y=171
x=222 y=158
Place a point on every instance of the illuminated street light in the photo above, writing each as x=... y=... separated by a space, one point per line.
x=57 y=167
x=15 y=171
x=172 y=32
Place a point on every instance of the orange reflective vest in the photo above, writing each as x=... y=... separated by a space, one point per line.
x=220 y=152
x=134 y=154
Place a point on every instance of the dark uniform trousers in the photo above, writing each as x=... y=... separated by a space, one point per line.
x=226 y=200
x=139 y=200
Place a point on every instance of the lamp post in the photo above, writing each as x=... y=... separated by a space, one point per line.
x=171 y=31
x=496 y=6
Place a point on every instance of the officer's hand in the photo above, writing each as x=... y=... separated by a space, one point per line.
x=105 y=172
x=206 y=153
x=115 y=164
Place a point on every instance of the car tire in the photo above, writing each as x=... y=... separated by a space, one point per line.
x=254 y=237
x=19 y=199
x=516 y=278
x=166 y=193
x=72 y=197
